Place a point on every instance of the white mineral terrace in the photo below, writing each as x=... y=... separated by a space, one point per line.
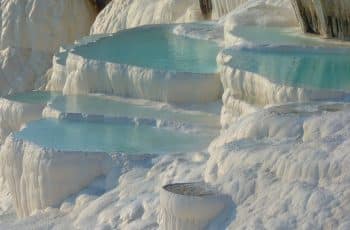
x=166 y=68
x=241 y=122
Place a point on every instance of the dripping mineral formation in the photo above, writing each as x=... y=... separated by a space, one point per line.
x=329 y=18
x=206 y=8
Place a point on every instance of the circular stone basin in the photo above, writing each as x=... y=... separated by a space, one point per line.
x=189 y=205
x=154 y=47
x=309 y=68
x=111 y=137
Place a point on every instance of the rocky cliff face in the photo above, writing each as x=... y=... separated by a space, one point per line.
x=99 y=4
x=329 y=18
x=206 y=8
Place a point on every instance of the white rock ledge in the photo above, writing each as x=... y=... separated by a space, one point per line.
x=40 y=177
x=84 y=76
x=15 y=114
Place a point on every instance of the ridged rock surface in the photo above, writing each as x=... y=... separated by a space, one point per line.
x=329 y=18
x=43 y=24
x=31 y=31
x=122 y=14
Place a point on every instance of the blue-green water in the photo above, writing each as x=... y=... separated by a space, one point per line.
x=100 y=105
x=105 y=137
x=154 y=47
x=111 y=106
x=297 y=67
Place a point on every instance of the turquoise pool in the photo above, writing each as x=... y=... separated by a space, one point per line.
x=313 y=68
x=113 y=106
x=117 y=107
x=154 y=47
x=105 y=137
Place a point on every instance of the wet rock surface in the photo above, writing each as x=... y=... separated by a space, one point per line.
x=99 y=4
x=329 y=18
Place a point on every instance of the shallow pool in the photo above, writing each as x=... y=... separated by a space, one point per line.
x=154 y=47
x=105 y=137
x=118 y=107
x=313 y=68
x=115 y=106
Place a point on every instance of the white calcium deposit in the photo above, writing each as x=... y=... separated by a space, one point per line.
x=122 y=14
x=282 y=167
x=285 y=170
x=21 y=69
x=235 y=7
x=43 y=25
x=39 y=177
x=79 y=76
x=13 y=115
x=30 y=32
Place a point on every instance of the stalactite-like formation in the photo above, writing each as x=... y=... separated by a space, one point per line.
x=206 y=8
x=329 y=18
x=99 y=4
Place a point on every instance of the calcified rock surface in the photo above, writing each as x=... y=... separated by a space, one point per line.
x=43 y=24
x=206 y=8
x=329 y=18
x=39 y=177
x=13 y=115
x=79 y=77
x=122 y=14
x=99 y=4
x=21 y=69
x=31 y=31
x=283 y=167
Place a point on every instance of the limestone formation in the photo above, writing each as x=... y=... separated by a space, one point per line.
x=329 y=18
x=99 y=4
x=206 y=8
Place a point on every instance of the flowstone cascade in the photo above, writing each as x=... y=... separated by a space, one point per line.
x=30 y=32
x=330 y=19
x=206 y=8
x=99 y=4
